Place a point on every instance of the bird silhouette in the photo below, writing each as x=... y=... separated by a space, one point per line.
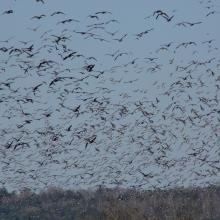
x=8 y=12
x=121 y=39
x=57 y=13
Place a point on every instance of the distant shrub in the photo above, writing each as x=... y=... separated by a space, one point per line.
x=111 y=204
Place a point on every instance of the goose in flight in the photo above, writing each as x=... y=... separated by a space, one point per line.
x=8 y=12
x=67 y=21
x=212 y=13
x=160 y=13
x=93 y=16
x=139 y=35
x=57 y=13
x=163 y=14
x=121 y=39
x=184 y=23
x=103 y=12
x=38 y=17
x=42 y=1
x=90 y=140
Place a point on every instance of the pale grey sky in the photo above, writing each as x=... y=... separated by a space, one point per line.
x=134 y=96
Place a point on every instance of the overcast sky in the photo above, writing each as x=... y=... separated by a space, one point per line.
x=128 y=79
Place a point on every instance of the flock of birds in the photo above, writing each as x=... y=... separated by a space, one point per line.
x=74 y=117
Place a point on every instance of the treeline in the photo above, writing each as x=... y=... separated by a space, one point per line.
x=111 y=204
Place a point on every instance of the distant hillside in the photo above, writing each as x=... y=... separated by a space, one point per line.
x=111 y=204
